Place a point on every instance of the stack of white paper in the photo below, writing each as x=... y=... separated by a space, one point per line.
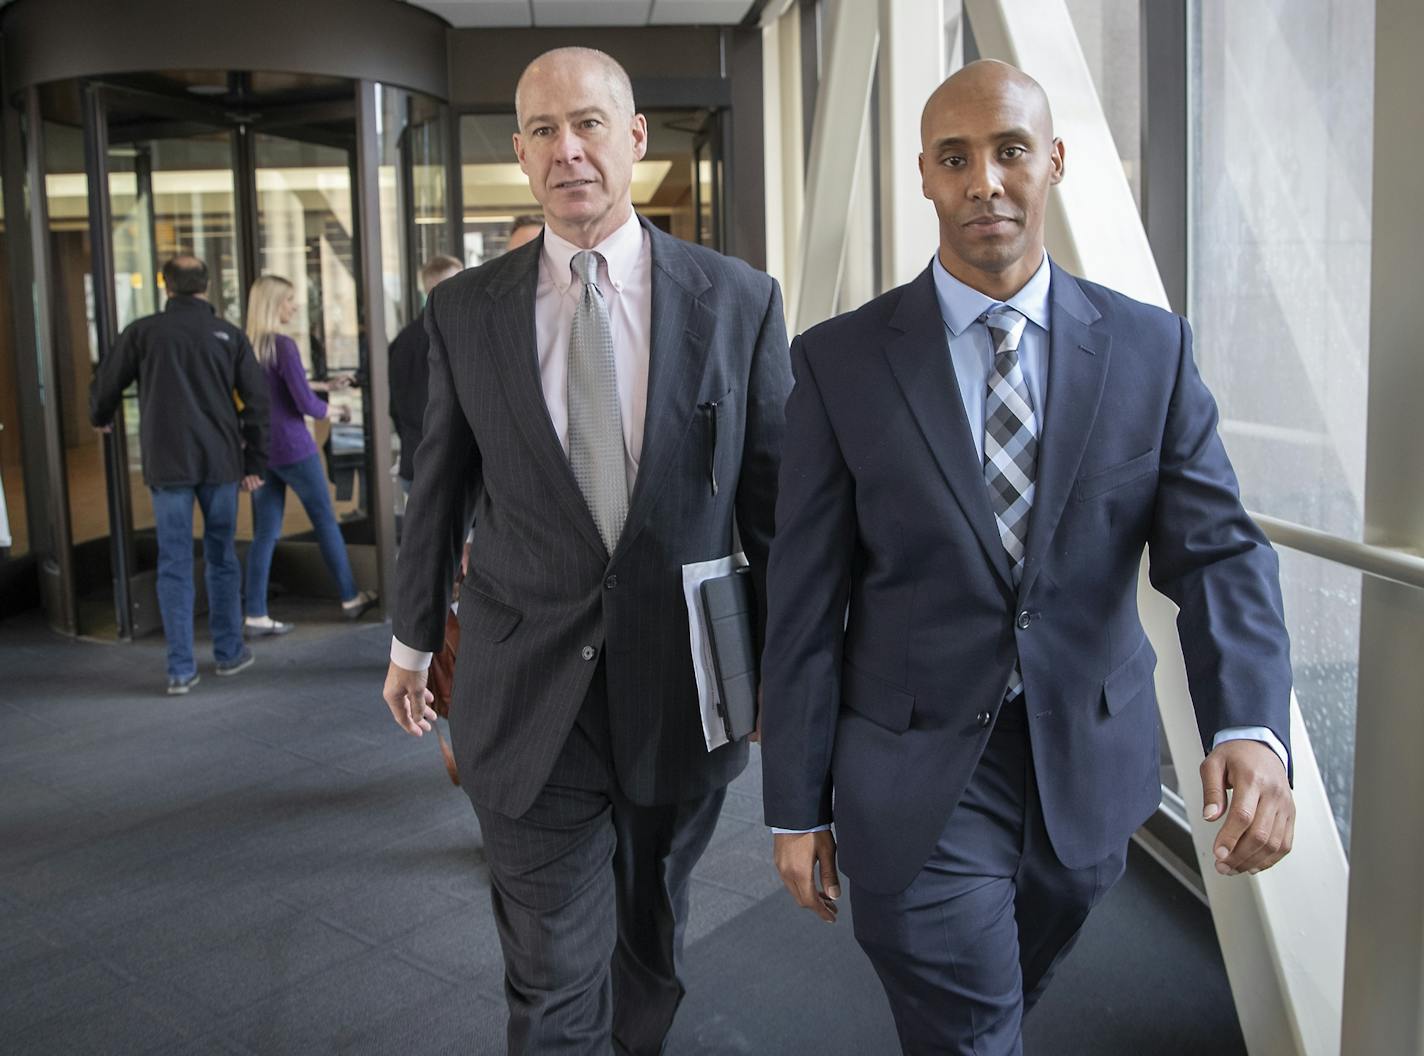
x=708 y=693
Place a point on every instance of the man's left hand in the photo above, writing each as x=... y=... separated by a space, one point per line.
x=251 y=482
x=1260 y=825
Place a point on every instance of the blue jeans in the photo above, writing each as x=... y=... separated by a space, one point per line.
x=308 y=480
x=173 y=520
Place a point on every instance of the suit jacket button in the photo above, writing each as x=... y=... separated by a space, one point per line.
x=589 y=652
x=1024 y=620
x=610 y=583
x=984 y=718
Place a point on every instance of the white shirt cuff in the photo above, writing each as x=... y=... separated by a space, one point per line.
x=404 y=656
x=1254 y=733
x=797 y=832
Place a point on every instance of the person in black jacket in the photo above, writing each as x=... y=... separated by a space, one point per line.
x=410 y=371
x=197 y=443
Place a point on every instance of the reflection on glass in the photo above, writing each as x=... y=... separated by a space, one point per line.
x=414 y=227
x=1279 y=275
x=1322 y=602
x=426 y=140
x=1280 y=248
x=1110 y=34
x=392 y=105
x=665 y=182
x=414 y=211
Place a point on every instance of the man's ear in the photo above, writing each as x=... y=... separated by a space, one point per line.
x=519 y=152
x=1058 y=161
x=640 y=137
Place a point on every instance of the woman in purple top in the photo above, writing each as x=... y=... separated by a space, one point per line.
x=293 y=461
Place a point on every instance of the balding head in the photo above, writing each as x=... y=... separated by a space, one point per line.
x=564 y=61
x=988 y=158
x=185 y=275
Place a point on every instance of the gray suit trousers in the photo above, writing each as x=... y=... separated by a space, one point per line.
x=590 y=894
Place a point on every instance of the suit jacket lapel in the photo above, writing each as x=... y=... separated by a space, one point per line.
x=678 y=336
x=1077 y=369
x=510 y=338
x=919 y=359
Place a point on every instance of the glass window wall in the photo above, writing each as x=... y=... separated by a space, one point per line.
x=1110 y=34
x=1279 y=287
x=306 y=234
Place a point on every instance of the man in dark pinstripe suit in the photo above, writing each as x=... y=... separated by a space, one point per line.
x=575 y=713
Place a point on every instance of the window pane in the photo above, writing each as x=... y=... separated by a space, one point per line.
x=426 y=139
x=1281 y=100
x=1322 y=602
x=495 y=191
x=1110 y=32
x=305 y=234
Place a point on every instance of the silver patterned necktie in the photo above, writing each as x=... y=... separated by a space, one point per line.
x=1010 y=445
x=595 y=418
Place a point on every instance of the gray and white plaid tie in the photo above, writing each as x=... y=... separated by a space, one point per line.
x=1010 y=445
x=595 y=418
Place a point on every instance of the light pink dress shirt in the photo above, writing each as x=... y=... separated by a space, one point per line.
x=626 y=281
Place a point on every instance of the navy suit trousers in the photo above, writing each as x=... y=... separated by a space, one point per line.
x=970 y=945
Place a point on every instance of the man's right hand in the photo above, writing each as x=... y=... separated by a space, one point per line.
x=409 y=700
x=804 y=857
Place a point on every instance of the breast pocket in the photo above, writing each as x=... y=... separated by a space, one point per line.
x=1102 y=481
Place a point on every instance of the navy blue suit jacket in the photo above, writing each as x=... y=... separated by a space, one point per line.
x=894 y=622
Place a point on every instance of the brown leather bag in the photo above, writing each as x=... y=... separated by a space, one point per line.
x=442 y=685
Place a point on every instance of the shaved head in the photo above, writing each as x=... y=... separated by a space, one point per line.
x=620 y=88
x=984 y=82
x=988 y=158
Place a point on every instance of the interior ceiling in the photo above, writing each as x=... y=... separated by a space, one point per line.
x=507 y=13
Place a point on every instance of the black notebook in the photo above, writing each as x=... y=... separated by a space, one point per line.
x=728 y=606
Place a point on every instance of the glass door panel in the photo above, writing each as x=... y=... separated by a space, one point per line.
x=306 y=234
x=168 y=195
x=75 y=352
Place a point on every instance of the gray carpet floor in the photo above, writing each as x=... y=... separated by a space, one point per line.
x=268 y=866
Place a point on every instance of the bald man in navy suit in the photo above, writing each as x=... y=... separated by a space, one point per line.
x=955 y=670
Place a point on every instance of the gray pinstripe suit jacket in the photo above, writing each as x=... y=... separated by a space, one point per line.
x=544 y=599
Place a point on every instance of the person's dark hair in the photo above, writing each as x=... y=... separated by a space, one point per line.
x=185 y=275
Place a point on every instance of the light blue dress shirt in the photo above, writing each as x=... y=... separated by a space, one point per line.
x=971 y=350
